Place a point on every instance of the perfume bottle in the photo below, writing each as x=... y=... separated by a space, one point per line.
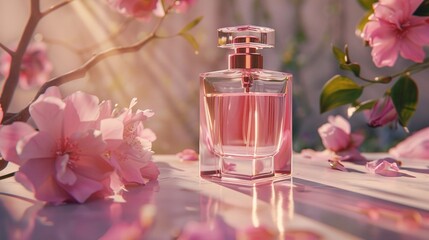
x=245 y=113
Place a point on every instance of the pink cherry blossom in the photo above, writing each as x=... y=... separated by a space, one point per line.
x=382 y=113
x=386 y=167
x=415 y=146
x=63 y=160
x=336 y=134
x=393 y=29
x=35 y=66
x=188 y=155
x=140 y=9
x=131 y=156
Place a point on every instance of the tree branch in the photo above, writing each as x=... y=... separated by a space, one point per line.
x=6 y=49
x=55 y=7
x=81 y=71
x=12 y=80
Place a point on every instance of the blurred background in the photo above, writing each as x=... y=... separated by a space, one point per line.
x=164 y=75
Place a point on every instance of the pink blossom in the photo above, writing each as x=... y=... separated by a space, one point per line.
x=35 y=66
x=81 y=149
x=415 y=146
x=336 y=134
x=63 y=160
x=386 y=167
x=140 y=9
x=340 y=143
x=131 y=156
x=393 y=30
x=382 y=113
x=188 y=155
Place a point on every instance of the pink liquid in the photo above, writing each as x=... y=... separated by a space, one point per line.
x=245 y=130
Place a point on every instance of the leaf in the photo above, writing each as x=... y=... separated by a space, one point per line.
x=191 y=25
x=353 y=67
x=363 y=22
x=367 y=4
x=3 y=163
x=423 y=9
x=360 y=107
x=404 y=95
x=338 y=91
x=191 y=41
x=339 y=55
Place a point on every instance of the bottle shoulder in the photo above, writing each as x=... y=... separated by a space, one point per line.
x=262 y=74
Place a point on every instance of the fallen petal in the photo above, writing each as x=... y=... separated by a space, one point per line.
x=385 y=167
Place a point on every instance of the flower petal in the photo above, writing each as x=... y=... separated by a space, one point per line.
x=10 y=135
x=40 y=172
x=63 y=173
x=47 y=113
x=385 y=167
x=83 y=188
x=39 y=145
x=112 y=131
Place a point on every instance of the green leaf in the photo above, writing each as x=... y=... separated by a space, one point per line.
x=364 y=20
x=423 y=9
x=191 y=25
x=404 y=95
x=188 y=37
x=338 y=91
x=360 y=107
x=353 y=67
x=339 y=55
x=367 y=4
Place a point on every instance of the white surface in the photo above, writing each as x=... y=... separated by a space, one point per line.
x=326 y=202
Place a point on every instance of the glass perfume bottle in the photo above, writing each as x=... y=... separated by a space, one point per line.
x=245 y=113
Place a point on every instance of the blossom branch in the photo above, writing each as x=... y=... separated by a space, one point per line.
x=81 y=71
x=8 y=50
x=12 y=80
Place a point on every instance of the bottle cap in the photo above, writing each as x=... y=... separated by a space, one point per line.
x=246 y=36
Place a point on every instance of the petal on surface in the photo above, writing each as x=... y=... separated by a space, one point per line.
x=150 y=171
x=10 y=135
x=384 y=167
x=415 y=146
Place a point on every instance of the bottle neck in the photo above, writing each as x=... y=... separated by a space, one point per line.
x=245 y=58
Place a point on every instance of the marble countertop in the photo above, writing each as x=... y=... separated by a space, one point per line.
x=317 y=203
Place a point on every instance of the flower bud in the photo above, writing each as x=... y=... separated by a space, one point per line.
x=382 y=113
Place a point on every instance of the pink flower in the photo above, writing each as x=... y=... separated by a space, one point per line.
x=340 y=143
x=393 y=30
x=382 y=113
x=140 y=9
x=131 y=156
x=415 y=146
x=386 y=167
x=188 y=155
x=63 y=160
x=35 y=67
x=336 y=134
